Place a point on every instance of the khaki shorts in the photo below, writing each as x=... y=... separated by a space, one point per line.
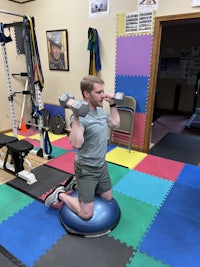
x=91 y=181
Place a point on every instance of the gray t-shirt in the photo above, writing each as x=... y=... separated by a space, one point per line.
x=93 y=151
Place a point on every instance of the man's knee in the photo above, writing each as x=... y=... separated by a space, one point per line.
x=86 y=215
x=107 y=195
x=86 y=210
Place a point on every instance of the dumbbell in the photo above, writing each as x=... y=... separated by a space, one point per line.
x=119 y=98
x=79 y=107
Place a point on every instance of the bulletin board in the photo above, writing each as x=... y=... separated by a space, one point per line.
x=133 y=59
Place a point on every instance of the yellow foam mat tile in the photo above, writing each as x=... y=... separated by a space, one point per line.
x=9 y=133
x=54 y=137
x=35 y=137
x=124 y=157
x=20 y=137
x=121 y=23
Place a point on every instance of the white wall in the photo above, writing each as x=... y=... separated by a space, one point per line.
x=73 y=16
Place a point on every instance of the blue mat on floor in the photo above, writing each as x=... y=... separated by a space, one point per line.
x=190 y=175
x=33 y=236
x=30 y=232
x=144 y=187
x=174 y=235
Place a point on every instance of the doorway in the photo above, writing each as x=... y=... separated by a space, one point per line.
x=173 y=89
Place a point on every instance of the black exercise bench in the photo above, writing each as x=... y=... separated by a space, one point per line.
x=18 y=150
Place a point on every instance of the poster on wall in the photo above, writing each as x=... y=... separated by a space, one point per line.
x=147 y=5
x=139 y=22
x=99 y=8
x=57 y=46
x=195 y=3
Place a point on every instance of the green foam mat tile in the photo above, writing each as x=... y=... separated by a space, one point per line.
x=13 y=200
x=142 y=260
x=136 y=216
x=56 y=151
x=116 y=172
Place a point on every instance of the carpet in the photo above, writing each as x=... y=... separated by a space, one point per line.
x=180 y=147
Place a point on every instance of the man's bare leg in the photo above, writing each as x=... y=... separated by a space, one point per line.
x=83 y=210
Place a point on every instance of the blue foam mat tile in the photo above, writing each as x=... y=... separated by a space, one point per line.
x=144 y=187
x=175 y=233
x=110 y=147
x=30 y=232
x=136 y=87
x=190 y=175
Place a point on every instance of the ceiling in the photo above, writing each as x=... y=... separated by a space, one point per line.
x=21 y=1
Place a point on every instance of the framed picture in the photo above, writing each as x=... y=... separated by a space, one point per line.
x=57 y=45
x=99 y=8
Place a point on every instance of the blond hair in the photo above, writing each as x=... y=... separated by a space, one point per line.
x=87 y=83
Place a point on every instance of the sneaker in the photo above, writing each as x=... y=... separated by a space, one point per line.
x=53 y=196
x=72 y=185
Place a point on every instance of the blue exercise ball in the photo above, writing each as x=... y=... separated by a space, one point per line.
x=105 y=218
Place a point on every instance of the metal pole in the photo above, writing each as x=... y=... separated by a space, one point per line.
x=23 y=104
x=11 y=13
x=9 y=89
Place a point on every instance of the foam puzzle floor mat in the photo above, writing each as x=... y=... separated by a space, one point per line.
x=77 y=251
x=124 y=157
x=64 y=162
x=47 y=178
x=8 y=260
x=153 y=228
x=174 y=235
x=159 y=225
x=40 y=231
x=180 y=147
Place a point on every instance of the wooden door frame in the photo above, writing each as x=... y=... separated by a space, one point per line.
x=154 y=68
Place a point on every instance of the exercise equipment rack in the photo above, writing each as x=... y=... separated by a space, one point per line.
x=34 y=76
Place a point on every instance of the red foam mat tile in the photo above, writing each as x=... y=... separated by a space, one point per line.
x=160 y=167
x=64 y=162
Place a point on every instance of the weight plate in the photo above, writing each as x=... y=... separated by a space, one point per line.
x=56 y=124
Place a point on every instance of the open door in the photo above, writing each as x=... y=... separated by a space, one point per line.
x=159 y=22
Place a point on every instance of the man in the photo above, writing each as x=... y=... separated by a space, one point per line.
x=89 y=136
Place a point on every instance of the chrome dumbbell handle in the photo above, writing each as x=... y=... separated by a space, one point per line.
x=79 y=107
